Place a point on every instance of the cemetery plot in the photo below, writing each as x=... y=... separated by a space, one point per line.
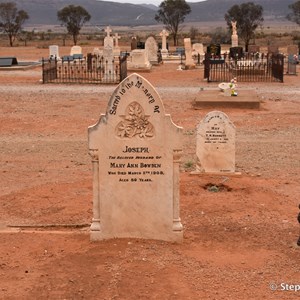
x=249 y=68
x=90 y=69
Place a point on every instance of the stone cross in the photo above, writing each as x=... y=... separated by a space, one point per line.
x=108 y=31
x=116 y=38
x=164 y=51
x=164 y=34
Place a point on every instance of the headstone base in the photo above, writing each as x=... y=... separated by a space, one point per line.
x=173 y=236
x=234 y=40
x=164 y=53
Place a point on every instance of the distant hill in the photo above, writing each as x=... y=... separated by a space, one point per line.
x=215 y=9
x=44 y=12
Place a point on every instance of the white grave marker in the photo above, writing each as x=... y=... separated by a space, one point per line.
x=108 y=56
x=164 y=51
x=135 y=149
x=54 y=52
x=216 y=144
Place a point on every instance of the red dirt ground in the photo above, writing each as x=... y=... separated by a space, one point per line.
x=237 y=241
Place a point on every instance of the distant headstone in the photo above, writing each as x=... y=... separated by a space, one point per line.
x=117 y=49
x=108 y=55
x=54 y=52
x=75 y=50
x=116 y=38
x=140 y=45
x=133 y=43
x=292 y=50
x=97 y=51
x=138 y=60
x=189 y=62
x=164 y=51
x=214 y=49
x=151 y=48
x=234 y=36
x=292 y=59
x=216 y=144
x=236 y=52
x=198 y=47
x=135 y=149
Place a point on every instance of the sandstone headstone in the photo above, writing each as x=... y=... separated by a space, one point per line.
x=234 y=36
x=138 y=60
x=76 y=50
x=108 y=55
x=117 y=49
x=135 y=149
x=198 y=47
x=189 y=62
x=216 y=144
x=292 y=51
x=164 y=51
x=97 y=51
x=54 y=52
x=133 y=43
x=152 y=48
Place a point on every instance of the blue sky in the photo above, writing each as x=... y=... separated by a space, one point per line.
x=155 y=2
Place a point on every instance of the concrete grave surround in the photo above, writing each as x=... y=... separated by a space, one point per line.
x=54 y=51
x=136 y=150
x=152 y=48
x=216 y=144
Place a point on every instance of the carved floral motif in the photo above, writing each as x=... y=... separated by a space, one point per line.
x=135 y=123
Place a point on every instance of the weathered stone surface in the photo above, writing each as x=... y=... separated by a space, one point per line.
x=135 y=149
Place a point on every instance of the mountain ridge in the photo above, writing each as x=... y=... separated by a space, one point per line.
x=42 y=12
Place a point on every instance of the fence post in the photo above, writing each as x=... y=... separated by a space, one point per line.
x=207 y=66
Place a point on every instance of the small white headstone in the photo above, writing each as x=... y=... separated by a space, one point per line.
x=54 y=51
x=135 y=149
x=216 y=144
